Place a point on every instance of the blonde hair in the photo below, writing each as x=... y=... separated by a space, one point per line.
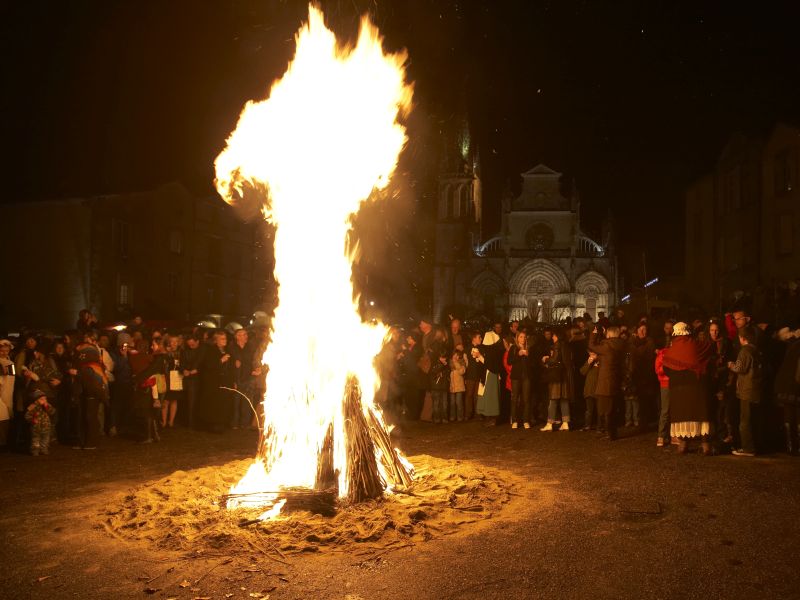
x=612 y=332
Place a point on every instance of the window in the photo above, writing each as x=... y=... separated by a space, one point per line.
x=173 y=285
x=785 y=238
x=123 y=294
x=120 y=233
x=784 y=166
x=176 y=241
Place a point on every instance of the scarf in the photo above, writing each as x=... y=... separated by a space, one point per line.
x=688 y=354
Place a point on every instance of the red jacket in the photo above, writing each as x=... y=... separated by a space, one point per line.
x=508 y=370
x=663 y=380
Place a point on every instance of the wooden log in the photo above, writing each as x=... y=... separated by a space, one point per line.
x=326 y=474
x=363 y=478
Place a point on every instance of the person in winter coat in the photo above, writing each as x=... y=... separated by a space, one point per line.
x=521 y=377
x=686 y=364
x=590 y=370
x=645 y=384
x=439 y=376
x=560 y=382
x=722 y=382
x=458 y=367
x=748 y=368
x=491 y=354
x=473 y=376
x=611 y=353
x=217 y=372
x=191 y=357
x=39 y=414
x=663 y=407
x=787 y=388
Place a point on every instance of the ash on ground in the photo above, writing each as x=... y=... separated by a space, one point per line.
x=182 y=512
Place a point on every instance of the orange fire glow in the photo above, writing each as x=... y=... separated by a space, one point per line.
x=327 y=135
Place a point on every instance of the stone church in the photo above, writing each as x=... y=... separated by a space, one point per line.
x=540 y=265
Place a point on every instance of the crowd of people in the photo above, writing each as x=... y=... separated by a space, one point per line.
x=135 y=383
x=725 y=385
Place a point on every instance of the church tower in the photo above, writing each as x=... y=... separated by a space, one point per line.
x=458 y=222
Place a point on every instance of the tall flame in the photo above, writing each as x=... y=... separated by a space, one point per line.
x=324 y=139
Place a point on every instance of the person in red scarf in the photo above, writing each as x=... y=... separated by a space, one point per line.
x=686 y=365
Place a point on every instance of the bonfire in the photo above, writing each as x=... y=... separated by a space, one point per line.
x=327 y=137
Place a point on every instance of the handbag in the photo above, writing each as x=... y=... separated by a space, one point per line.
x=175 y=381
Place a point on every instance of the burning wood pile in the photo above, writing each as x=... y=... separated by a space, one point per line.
x=326 y=137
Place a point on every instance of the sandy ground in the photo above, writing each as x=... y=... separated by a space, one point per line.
x=583 y=518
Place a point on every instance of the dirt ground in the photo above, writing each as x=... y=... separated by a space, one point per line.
x=585 y=518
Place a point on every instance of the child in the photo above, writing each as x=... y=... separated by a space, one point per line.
x=748 y=388
x=458 y=366
x=590 y=371
x=38 y=415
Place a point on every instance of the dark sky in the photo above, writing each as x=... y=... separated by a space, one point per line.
x=632 y=99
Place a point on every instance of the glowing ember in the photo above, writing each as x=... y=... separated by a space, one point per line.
x=323 y=140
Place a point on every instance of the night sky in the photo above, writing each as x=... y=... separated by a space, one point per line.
x=632 y=99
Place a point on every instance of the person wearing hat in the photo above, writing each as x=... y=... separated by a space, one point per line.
x=7 y=379
x=685 y=362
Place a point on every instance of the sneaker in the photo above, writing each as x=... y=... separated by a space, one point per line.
x=564 y=426
x=90 y=447
x=660 y=442
x=526 y=425
x=514 y=425
x=742 y=452
x=628 y=423
x=636 y=423
x=587 y=428
x=674 y=441
x=548 y=427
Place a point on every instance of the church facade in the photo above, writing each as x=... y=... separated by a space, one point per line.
x=540 y=265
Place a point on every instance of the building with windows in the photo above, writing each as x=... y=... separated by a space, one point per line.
x=163 y=253
x=540 y=265
x=743 y=221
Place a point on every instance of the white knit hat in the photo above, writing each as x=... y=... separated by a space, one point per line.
x=681 y=328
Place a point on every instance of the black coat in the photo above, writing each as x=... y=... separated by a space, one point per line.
x=215 y=402
x=521 y=366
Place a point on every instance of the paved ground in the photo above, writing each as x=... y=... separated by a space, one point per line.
x=599 y=520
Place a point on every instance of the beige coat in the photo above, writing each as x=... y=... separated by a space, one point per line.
x=457 y=369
